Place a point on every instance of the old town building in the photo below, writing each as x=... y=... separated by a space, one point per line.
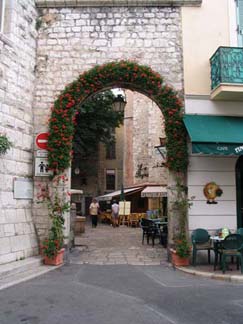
x=45 y=45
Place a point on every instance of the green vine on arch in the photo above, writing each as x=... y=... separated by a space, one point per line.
x=124 y=74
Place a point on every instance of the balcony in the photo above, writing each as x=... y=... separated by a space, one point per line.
x=227 y=74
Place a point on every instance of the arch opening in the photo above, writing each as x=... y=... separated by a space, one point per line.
x=122 y=74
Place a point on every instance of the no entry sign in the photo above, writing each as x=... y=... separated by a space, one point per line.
x=41 y=140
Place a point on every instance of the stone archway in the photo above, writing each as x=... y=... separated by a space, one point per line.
x=122 y=74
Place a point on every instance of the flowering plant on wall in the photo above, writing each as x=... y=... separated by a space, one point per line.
x=56 y=199
x=5 y=144
x=123 y=74
x=180 y=204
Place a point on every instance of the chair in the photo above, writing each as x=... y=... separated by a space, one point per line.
x=240 y=231
x=232 y=246
x=200 y=241
x=133 y=220
x=164 y=235
x=145 y=227
x=124 y=220
x=150 y=230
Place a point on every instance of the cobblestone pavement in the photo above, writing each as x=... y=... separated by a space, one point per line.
x=122 y=245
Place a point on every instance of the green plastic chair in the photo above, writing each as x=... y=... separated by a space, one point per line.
x=232 y=246
x=240 y=231
x=200 y=241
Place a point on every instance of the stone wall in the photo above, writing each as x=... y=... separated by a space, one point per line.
x=148 y=127
x=113 y=3
x=17 y=78
x=72 y=40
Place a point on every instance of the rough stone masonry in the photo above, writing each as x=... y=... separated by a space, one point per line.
x=17 y=79
x=45 y=45
x=74 y=39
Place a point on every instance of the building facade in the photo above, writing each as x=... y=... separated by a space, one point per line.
x=44 y=46
x=17 y=78
x=132 y=160
x=213 y=82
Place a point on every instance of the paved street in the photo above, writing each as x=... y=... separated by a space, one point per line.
x=122 y=245
x=91 y=290
x=121 y=294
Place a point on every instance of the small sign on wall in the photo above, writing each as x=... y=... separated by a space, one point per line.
x=42 y=167
x=23 y=188
x=41 y=153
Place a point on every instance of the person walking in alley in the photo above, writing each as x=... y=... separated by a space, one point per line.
x=93 y=211
x=115 y=213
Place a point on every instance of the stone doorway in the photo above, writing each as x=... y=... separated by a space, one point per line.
x=106 y=245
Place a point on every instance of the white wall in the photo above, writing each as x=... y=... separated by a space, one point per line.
x=204 y=29
x=233 y=23
x=203 y=106
x=222 y=171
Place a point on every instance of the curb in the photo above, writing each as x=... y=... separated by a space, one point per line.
x=223 y=277
x=17 y=272
x=28 y=277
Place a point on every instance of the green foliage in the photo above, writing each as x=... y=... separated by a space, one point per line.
x=181 y=205
x=96 y=121
x=5 y=144
x=183 y=248
x=50 y=248
x=55 y=198
x=124 y=74
x=38 y=23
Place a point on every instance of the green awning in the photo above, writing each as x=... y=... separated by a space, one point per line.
x=217 y=135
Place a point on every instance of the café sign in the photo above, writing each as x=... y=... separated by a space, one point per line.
x=217 y=148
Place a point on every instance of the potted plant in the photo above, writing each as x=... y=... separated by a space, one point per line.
x=52 y=252
x=5 y=144
x=181 y=249
x=181 y=253
x=57 y=203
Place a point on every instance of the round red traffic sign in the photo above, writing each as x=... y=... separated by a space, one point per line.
x=41 y=140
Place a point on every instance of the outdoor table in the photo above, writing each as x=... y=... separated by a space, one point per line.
x=158 y=222
x=160 y=228
x=216 y=240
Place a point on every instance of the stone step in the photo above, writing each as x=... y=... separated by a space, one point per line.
x=13 y=268
x=20 y=271
x=24 y=276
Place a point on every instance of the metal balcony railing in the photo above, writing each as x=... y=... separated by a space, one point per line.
x=227 y=66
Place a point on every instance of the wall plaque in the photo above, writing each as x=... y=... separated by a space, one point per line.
x=23 y=188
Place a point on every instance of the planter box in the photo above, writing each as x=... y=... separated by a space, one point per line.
x=177 y=261
x=57 y=260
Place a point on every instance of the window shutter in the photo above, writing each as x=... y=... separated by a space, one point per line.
x=240 y=21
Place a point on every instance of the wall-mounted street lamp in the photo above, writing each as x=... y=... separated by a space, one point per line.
x=119 y=103
x=77 y=171
x=161 y=148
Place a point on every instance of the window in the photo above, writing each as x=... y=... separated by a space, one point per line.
x=240 y=22
x=110 y=179
x=111 y=151
x=2 y=10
